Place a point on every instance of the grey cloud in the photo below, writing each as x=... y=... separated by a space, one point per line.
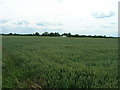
x=103 y=26
x=103 y=15
x=49 y=24
x=60 y=0
x=43 y=24
x=40 y=24
x=2 y=21
x=53 y=30
x=60 y=24
x=113 y=23
x=21 y=23
x=8 y=29
x=88 y=26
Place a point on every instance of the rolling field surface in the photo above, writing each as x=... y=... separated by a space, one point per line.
x=58 y=62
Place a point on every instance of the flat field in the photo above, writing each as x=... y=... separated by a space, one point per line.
x=59 y=62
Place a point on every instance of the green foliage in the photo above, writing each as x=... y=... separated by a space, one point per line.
x=51 y=34
x=56 y=62
x=36 y=34
x=10 y=34
x=56 y=34
x=45 y=34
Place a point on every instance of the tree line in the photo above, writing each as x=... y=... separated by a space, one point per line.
x=55 y=34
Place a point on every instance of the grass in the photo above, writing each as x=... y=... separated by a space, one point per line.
x=57 y=62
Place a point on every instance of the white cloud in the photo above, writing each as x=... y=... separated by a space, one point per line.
x=103 y=15
x=73 y=15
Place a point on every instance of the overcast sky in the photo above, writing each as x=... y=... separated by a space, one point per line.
x=89 y=17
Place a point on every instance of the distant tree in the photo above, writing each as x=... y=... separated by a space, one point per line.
x=51 y=34
x=45 y=34
x=15 y=34
x=94 y=36
x=89 y=36
x=83 y=36
x=10 y=34
x=69 y=34
x=28 y=35
x=2 y=34
x=56 y=34
x=64 y=34
x=36 y=34
x=104 y=36
x=100 y=36
x=76 y=35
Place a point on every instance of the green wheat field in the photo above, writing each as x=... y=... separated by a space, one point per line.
x=59 y=62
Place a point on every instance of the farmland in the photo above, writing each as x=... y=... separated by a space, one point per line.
x=58 y=62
